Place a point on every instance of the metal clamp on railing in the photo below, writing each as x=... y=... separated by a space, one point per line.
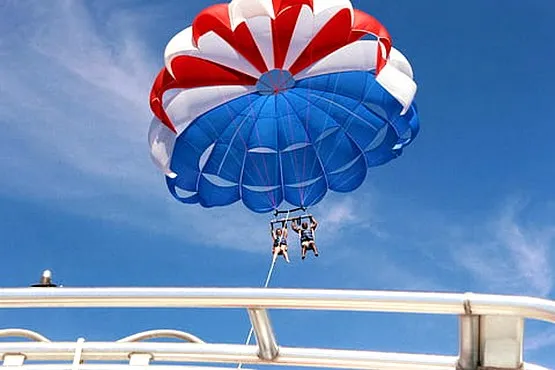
x=140 y=359
x=17 y=359
x=490 y=341
x=13 y=359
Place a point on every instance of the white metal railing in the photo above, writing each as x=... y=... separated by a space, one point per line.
x=491 y=328
x=309 y=299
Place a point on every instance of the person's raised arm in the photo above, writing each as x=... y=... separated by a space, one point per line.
x=314 y=223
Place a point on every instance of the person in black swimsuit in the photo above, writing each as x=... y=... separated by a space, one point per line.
x=279 y=247
x=307 y=236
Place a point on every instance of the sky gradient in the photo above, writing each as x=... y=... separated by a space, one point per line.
x=469 y=206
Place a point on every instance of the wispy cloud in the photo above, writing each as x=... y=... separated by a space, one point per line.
x=119 y=67
x=361 y=231
x=359 y=210
x=75 y=104
x=510 y=256
x=75 y=97
x=342 y=212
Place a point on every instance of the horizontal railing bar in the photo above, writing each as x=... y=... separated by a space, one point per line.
x=228 y=353
x=23 y=333
x=161 y=333
x=118 y=367
x=351 y=300
x=166 y=367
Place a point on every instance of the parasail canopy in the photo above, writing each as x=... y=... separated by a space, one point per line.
x=272 y=101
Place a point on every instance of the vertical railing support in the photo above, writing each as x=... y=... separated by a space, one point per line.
x=469 y=342
x=267 y=345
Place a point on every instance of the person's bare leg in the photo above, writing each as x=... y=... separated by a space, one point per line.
x=286 y=255
x=314 y=249
x=303 y=251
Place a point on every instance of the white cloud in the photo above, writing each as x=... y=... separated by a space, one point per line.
x=76 y=107
x=75 y=97
x=73 y=100
x=341 y=213
x=76 y=103
x=355 y=211
x=119 y=67
x=510 y=256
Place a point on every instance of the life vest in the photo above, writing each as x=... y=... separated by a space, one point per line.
x=280 y=240
x=307 y=235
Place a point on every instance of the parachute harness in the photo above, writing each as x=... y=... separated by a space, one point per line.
x=268 y=277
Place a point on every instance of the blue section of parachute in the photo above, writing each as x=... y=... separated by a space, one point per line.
x=318 y=134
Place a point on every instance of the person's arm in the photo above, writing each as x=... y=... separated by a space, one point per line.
x=314 y=223
x=294 y=226
x=284 y=230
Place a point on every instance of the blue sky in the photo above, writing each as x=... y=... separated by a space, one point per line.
x=470 y=206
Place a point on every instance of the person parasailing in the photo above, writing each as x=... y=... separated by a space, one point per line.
x=279 y=237
x=306 y=232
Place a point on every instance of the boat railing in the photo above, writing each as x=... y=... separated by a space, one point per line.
x=491 y=329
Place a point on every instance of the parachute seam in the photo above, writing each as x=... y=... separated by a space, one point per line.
x=334 y=120
x=346 y=127
x=374 y=82
x=359 y=103
x=328 y=112
x=311 y=140
x=279 y=158
x=218 y=138
x=194 y=123
x=215 y=142
x=241 y=176
x=390 y=122
x=345 y=131
x=332 y=53
x=246 y=153
x=315 y=33
x=298 y=176
x=241 y=171
x=347 y=135
x=286 y=65
x=244 y=111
